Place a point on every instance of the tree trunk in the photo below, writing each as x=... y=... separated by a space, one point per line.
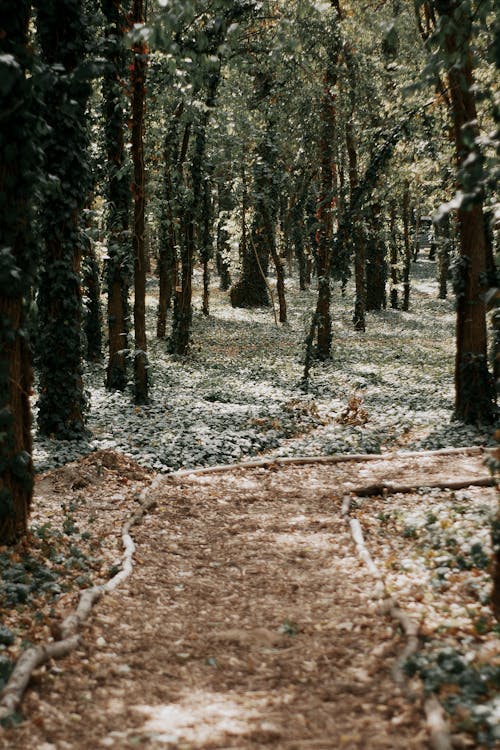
x=18 y=152
x=297 y=230
x=444 y=248
x=251 y=290
x=169 y=240
x=62 y=401
x=474 y=393
x=119 y=257
x=280 y=281
x=181 y=327
x=138 y=74
x=394 y=256
x=206 y=243
x=376 y=267
x=326 y=204
x=407 y=247
x=359 y=318
x=93 y=315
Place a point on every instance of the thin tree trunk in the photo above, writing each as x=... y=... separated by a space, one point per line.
x=206 y=243
x=167 y=255
x=325 y=211
x=407 y=247
x=359 y=318
x=181 y=328
x=394 y=256
x=138 y=74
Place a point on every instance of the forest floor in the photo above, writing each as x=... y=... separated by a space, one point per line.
x=251 y=619
x=254 y=615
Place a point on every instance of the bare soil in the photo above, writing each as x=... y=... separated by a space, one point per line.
x=249 y=621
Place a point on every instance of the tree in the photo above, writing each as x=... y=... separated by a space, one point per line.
x=62 y=28
x=474 y=393
x=117 y=191
x=138 y=76
x=18 y=159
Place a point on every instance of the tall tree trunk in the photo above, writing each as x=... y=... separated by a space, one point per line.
x=407 y=247
x=62 y=402
x=444 y=248
x=376 y=266
x=181 y=326
x=251 y=290
x=18 y=151
x=206 y=242
x=359 y=318
x=394 y=256
x=119 y=257
x=327 y=196
x=167 y=255
x=297 y=230
x=93 y=314
x=474 y=393
x=138 y=74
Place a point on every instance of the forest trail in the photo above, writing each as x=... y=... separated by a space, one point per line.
x=249 y=621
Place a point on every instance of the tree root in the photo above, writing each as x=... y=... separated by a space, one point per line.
x=437 y=725
x=12 y=694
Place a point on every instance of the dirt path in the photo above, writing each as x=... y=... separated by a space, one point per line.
x=249 y=621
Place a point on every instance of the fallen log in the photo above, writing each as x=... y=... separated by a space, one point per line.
x=387 y=488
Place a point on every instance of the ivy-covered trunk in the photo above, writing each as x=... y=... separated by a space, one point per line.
x=138 y=75
x=206 y=251
x=92 y=303
x=407 y=247
x=358 y=239
x=167 y=254
x=474 y=392
x=182 y=315
x=251 y=290
x=119 y=257
x=376 y=265
x=297 y=230
x=393 y=244
x=18 y=152
x=62 y=402
x=326 y=200
x=223 y=249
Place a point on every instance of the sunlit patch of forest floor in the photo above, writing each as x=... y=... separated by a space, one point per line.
x=251 y=619
x=237 y=394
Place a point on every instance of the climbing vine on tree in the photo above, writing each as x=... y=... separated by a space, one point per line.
x=62 y=31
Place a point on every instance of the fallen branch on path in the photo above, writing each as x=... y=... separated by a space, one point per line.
x=12 y=694
x=337 y=458
x=437 y=725
x=383 y=488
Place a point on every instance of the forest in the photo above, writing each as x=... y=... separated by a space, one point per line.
x=249 y=349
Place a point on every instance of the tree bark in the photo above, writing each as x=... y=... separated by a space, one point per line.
x=474 y=392
x=119 y=256
x=138 y=74
x=359 y=318
x=407 y=247
x=394 y=257
x=17 y=165
x=62 y=401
